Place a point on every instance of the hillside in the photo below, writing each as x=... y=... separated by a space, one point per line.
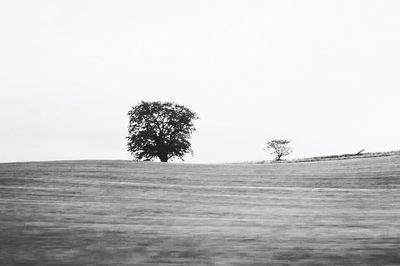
x=347 y=156
x=125 y=213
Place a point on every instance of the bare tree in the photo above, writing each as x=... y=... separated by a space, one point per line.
x=279 y=148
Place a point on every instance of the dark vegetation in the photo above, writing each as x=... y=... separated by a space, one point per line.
x=160 y=129
x=358 y=155
x=330 y=157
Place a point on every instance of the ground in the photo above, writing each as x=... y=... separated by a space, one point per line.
x=127 y=213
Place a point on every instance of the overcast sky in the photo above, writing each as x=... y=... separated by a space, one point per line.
x=324 y=74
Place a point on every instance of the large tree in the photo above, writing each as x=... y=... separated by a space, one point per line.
x=160 y=129
x=279 y=148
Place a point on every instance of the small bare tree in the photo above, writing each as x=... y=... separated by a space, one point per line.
x=279 y=148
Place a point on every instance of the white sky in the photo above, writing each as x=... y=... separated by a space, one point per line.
x=324 y=74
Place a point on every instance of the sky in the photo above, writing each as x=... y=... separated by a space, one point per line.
x=323 y=74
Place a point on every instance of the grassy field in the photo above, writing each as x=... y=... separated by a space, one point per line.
x=125 y=213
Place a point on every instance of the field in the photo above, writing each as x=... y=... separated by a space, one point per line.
x=343 y=212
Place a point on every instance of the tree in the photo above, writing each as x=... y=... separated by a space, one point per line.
x=160 y=129
x=279 y=147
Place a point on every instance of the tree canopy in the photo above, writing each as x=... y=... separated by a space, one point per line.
x=160 y=129
x=279 y=148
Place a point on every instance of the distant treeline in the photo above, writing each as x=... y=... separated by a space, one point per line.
x=332 y=157
x=347 y=156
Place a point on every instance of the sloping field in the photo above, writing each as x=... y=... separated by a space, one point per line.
x=126 y=213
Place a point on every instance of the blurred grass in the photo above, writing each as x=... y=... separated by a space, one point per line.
x=127 y=213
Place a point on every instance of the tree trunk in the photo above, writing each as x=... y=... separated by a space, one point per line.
x=162 y=152
x=163 y=158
